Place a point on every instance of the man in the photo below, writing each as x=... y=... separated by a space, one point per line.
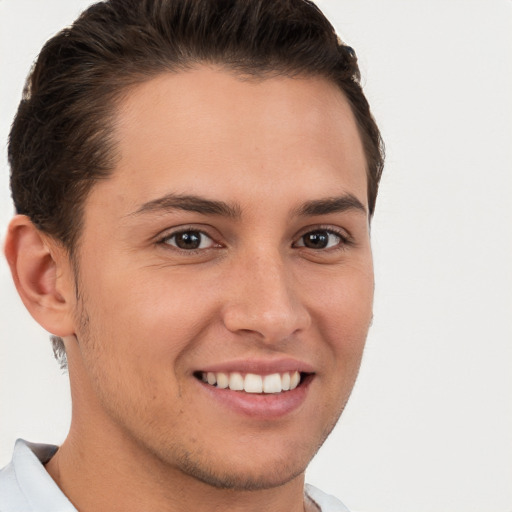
x=194 y=182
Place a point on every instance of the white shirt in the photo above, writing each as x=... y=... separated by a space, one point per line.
x=25 y=485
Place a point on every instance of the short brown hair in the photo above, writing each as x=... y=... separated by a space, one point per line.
x=61 y=140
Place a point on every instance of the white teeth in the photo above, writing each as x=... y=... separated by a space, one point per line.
x=294 y=380
x=222 y=380
x=253 y=383
x=285 y=381
x=236 y=381
x=272 y=383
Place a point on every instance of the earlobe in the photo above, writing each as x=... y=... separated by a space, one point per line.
x=41 y=272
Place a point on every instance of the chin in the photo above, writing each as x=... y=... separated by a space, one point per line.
x=250 y=464
x=239 y=459
x=266 y=476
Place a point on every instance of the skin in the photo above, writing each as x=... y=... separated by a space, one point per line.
x=145 y=434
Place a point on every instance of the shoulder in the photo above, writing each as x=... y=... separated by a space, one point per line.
x=25 y=486
x=325 y=502
x=11 y=495
x=11 y=499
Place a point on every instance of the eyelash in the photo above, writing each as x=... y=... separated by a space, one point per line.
x=165 y=240
x=344 y=240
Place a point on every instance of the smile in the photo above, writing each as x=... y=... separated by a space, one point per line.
x=251 y=382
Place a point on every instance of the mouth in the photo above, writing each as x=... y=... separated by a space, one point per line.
x=253 y=383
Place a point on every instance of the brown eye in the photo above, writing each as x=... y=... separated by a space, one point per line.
x=189 y=240
x=319 y=239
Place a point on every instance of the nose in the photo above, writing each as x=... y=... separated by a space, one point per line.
x=264 y=299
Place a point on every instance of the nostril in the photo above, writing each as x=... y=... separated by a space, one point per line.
x=271 y=326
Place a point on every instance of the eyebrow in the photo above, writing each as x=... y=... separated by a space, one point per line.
x=189 y=203
x=328 y=205
x=205 y=206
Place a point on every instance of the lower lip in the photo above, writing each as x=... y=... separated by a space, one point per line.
x=260 y=406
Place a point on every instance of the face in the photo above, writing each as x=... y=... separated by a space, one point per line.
x=225 y=261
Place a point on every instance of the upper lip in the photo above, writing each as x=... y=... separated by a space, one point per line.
x=260 y=366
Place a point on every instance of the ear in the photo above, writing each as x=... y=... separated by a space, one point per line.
x=42 y=274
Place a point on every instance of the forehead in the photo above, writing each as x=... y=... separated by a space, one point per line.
x=205 y=127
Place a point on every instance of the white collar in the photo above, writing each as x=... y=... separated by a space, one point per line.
x=36 y=485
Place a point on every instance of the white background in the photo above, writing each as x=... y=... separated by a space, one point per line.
x=429 y=425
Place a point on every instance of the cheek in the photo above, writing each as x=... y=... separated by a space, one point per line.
x=342 y=316
x=147 y=320
x=343 y=313
x=131 y=345
x=345 y=299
